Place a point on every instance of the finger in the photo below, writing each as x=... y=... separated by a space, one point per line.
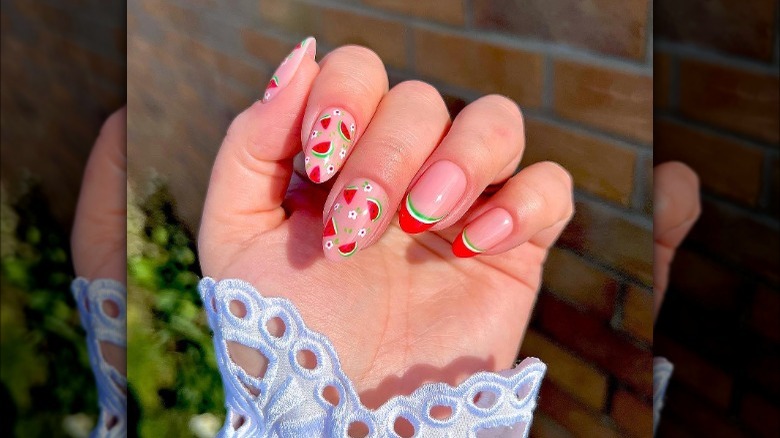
x=407 y=126
x=343 y=99
x=254 y=163
x=676 y=207
x=98 y=235
x=483 y=145
x=533 y=206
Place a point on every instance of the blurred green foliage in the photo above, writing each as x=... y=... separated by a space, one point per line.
x=44 y=366
x=172 y=369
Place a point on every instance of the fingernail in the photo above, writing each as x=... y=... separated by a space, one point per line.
x=483 y=233
x=352 y=218
x=329 y=144
x=432 y=197
x=285 y=72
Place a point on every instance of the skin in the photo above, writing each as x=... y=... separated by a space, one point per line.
x=404 y=311
x=676 y=207
x=98 y=238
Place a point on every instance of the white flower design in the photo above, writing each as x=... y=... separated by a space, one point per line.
x=352 y=127
x=336 y=206
x=267 y=95
x=314 y=134
x=368 y=187
x=331 y=169
x=337 y=112
x=329 y=244
x=306 y=160
x=343 y=153
x=352 y=214
x=362 y=232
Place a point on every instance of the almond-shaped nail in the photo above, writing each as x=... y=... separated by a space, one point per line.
x=353 y=218
x=329 y=143
x=483 y=233
x=432 y=197
x=285 y=72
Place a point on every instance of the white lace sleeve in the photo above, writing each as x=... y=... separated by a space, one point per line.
x=662 y=372
x=102 y=327
x=288 y=400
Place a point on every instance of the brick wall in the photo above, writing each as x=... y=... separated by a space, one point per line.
x=583 y=76
x=63 y=73
x=716 y=71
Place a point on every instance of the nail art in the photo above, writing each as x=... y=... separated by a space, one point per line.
x=352 y=218
x=329 y=143
x=285 y=72
x=432 y=197
x=483 y=233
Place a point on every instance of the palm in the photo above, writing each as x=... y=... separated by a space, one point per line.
x=401 y=314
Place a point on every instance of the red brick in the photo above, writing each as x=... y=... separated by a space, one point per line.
x=760 y=415
x=595 y=342
x=725 y=166
x=570 y=277
x=700 y=376
x=558 y=406
x=638 y=313
x=615 y=101
x=738 y=100
x=269 y=49
x=444 y=11
x=385 y=37
x=293 y=16
x=483 y=67
x=613 y=27
x=566 y=371
x=764 y=312
x=170 y=14
x=662 y=79
x=774 y=186
x=749 y=241
x=698 y=417
x=598 y=166
x=760 y=364
x=706 y=282
x=744 y=29
x=606 y=235
x=632 y=414
x=545 y=427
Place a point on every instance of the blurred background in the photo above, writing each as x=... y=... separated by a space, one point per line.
x=63 y=73
x=716 y=109
x=582 y=72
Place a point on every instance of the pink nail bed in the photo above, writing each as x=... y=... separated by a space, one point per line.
x=353 y=217
x=286 y=71
x=329 y=144
x=432 y=197
x=483 y=233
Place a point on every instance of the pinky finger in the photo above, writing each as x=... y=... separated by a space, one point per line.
x=534 y=205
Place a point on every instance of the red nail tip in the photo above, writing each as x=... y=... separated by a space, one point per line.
x=409 y=224
x=459 y=248
x=314 y=175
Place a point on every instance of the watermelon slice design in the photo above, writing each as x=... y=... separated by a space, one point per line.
x=323 y=149
x=348 y=249
x=374 y=209
x=349 y=193
x=314 y=175
x=330 y=229
x=344 y=131
x=325 y=121
x=273 y=83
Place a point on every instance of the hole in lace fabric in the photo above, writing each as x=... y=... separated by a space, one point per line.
x=250 y=360
x=440 y=412
x=357 y=429
x=522 y=391
x=237 y=308
x=110 y=308
x=403 y=427
x=86 y=305
x=238 y=421
x=114 y=355
x=307 y=359
x=485 y=399
x=276 y=327
x=111 y=422
x=331 y=394
x=214 y=303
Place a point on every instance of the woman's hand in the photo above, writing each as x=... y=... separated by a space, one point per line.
x=98 y=240
x=676 y=207
x=400 y=308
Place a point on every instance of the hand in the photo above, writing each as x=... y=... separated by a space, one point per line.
x=400 y=308
x=676 y=207
x=98 y=239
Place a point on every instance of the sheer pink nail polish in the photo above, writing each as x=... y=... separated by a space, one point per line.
x=483 y=233
x=353 y=218
x=432 y=197
x=329 y=143
x=285 y=72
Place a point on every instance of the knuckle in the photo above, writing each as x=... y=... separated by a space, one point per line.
x=420 y=92
x=359 y=55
